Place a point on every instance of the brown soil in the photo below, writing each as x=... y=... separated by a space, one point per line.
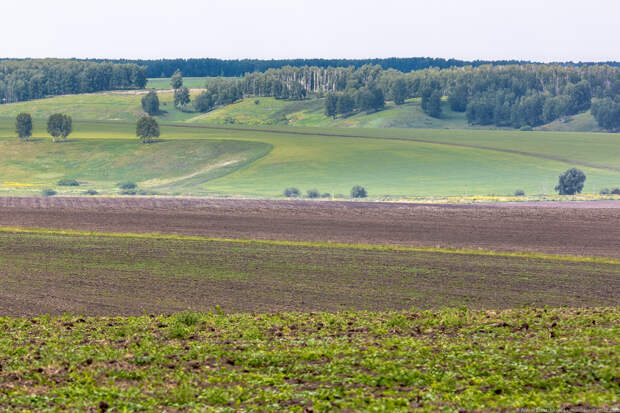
x=93 y=275
x=589 y=228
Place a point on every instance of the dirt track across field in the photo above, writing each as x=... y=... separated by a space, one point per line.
x=571 y=228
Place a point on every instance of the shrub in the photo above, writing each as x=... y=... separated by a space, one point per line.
x=358 y=192
x=68 y=182
x=127 y=185
x=526 y=128
x=571 y=182
x=48 y=192
x=615 y=191
x=604 y=191
x=146 y=192
x=519 y=192
x=91 y=192
x=325 y=195
x=257 y=102
x=291 y=192
x=128 y=192
x=313 y=193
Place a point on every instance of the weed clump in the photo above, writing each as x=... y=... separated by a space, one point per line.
x=127 y=185
x=68 y=182
x=291 y=192
x=313 y=193
x=48 y=192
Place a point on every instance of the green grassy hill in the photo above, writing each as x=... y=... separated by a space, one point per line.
x=167 y=166
x=126 y=106
x=192 y=159
x=164 y=83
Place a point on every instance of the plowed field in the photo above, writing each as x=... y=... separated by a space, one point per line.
x=558 y=228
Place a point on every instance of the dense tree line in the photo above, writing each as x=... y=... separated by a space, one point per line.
x=37 y=78
x=219 y=91
x=233 y=68
x=511 y=96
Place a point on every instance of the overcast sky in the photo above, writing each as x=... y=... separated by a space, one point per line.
x=541 y=30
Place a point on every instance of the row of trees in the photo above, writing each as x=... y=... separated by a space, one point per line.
x=58 y=126
x=233 y=68
x=22 y=80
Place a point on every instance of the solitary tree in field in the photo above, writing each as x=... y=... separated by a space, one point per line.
x=571 y=182
x=181 y=97
x=358 y=192
x=23 y=126
x=59 y=125
x=331 y=105
x=147 y=129
x=176 y=81
x=150 y=103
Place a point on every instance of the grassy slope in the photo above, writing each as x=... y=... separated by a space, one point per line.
x=269 y=111
x=310 y=113
x=164 y=83
x=385 y=167
x=113 y=106
x=354 y=361
x=168 y=166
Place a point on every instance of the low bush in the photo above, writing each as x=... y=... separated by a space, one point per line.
x=604 y=191
x=48 y=192
x=313 y=193
x=358 y=192
x=127 y=185
x=615 y=191
x=519 y=192
x=146 y=192
x=91 y=192
x=526 y=128
x=325 y=195
x=291 y=192
x=128 y=192
x=68 y=182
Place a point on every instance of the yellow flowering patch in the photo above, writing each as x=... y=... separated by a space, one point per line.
x=18 y=184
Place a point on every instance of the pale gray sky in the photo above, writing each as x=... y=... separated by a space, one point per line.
x=541 y=30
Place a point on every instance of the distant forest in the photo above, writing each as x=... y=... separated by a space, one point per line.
x=230 y=68
x=508 y=94
x=26 y=79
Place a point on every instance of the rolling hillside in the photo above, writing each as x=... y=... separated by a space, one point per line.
x=388 y=162
x=264 y=111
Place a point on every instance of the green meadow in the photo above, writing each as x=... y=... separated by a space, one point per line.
x=264 y=161
x=258 y=147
